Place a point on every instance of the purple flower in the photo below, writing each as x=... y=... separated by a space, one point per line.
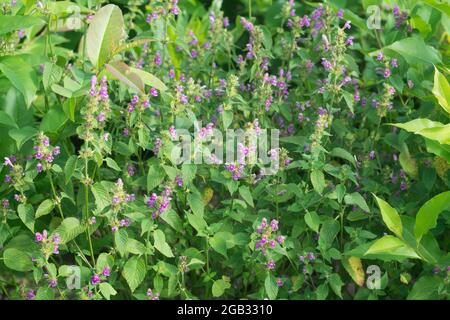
x=279 y=282
x=154 y=92
x=380 y=56
x=179 y=181
x=394 y=63
x=106 y=271
x=270 y=264
x=95 y=279
x=157 y=60
x=347 y=25
x=30 y=295
x=56 y=151
x=387 y=73
x=274 y=225
x=340 y=14
x=436 y=270
x=8 y=179
x=39 y=237
x=247 y=24
x=5 y=203
x=311 y=256
x=8 y=162
x=372 y=155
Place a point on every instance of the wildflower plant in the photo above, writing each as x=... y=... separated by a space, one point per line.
x=224 y=149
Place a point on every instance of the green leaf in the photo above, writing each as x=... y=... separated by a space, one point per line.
x=356 y=199
x=45 y=293
x=219 y=242
x=312 y=219
x=155 y=177
x=112 y=164
x=122 y=72
x=135 y=247
x=188 y=172
x=134 y=272
x=318 y=181
x=104 y=35
x=45 y=208
x=336 y=284
x=161 y=244
x=22 y=135
x=22 y=76
x=245 y=193
x=428 y=214
x=270 y=284
x=343 y=154
x=7 y=120
x=53 y=120
x=18 y=260
x=17 y=22
x=70 y=167
x=198 y=223
x=441 y=90
x=26 y=214
x=196 y=203
x=107 y=290
x=426 y=287
x=121 y=240
x=172 y=218
x=101 y=195
x=219 y=286
x=390 y=217
x=415 y=50
x=391 y=245
x=408 y=164
x=52 y=74
x=328 y=232
x=149 y=79
x=69 y=229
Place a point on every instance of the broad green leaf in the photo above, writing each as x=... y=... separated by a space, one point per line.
x=390 y=217
x=312 y=219
x=26 y=214
x=112 y=164
x=69 y=169
x=270 y=284
x=219 y=287
x=328 y=232
x=417 y=125
x=122 y=72
x=196 y=203
x=7 y=120
x=318 y=181
x=53 y=120
x=134 y=272
x=219 y=242
x=149 y=79
x=428 y=214
x=391 y=245
x=245 y=193
x=356 y=198
x=22 y=135
x=22 y=76
x=415 y=50
x=45 y=293
x=17 y=22
x=69 y=229
x=198 y=223
x=441 y=90
x=45 y=208
x=155 y=176
x=425 y=288
x=107 y=290
x=18 y=260
x=343 y=154
x=336 y=284
x=161 y=244
x=105 y=34
x=101 y=195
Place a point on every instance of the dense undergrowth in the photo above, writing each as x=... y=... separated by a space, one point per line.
x=95 y=97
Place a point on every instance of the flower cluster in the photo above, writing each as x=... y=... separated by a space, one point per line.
x=45 y=153
x=152 y=295
x=268 y=239
x=50 y=245
x=159 y=204
x=97 y=278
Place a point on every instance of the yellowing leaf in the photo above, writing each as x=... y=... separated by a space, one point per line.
x=207 y=195
x=355 y=269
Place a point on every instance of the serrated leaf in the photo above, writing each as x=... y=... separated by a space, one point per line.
x=134 y=272
x=45 y=208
